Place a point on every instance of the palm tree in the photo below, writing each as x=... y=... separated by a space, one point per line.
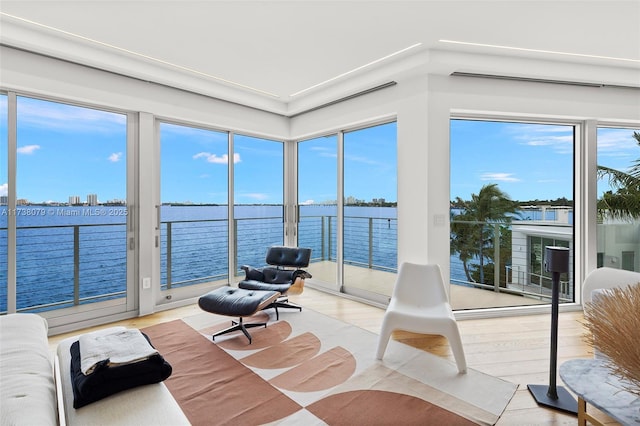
x=470 y=235
x=624 y=203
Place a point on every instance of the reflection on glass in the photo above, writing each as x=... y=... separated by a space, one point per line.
x=511 y=196
x=317 y=197
x=618 y=229
x=258 y=197
x=370 y=220
x=194 y=218
x=71 y=213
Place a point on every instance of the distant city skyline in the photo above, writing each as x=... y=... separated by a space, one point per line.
x=66 y=151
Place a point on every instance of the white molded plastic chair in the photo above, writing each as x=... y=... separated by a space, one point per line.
x=419 y=304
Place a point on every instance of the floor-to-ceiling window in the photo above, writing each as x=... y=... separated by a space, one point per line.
x=258 y=199
x=370 y=202
x=318 y=206
x=618 y=192
x=364 y=220
x=71 y=217
x=512 y=186
x=194 y=165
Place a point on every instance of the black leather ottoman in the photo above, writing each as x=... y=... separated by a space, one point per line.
x=237 y=302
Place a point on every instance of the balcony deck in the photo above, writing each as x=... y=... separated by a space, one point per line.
x=381 y=283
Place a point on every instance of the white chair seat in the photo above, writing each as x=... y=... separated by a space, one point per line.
x=419 y=304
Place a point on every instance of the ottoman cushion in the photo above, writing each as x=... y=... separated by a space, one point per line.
x=234 y=301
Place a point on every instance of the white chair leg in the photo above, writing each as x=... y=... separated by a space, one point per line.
x=455 y=342
x=383 y=340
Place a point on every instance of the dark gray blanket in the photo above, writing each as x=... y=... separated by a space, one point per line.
x=105 y=380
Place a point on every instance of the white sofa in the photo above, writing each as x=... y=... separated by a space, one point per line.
x=34 y=392
x=28 y=390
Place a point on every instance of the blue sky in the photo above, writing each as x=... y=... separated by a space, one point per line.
x=65 y=150
x=527 y=161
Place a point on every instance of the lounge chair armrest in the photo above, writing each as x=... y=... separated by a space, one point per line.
x=252 y=273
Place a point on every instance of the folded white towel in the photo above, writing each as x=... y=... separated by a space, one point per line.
x=117 y=348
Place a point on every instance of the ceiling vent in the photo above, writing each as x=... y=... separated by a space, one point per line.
x=346 y=98
x=529 y=79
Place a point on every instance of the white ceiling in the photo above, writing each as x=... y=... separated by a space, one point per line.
x=229 y=48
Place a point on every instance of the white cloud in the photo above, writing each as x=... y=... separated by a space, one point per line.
x=4 y=188
x=307 y=203
x=115 y=157
x=28 y=149
x=500 y=177
x=213 y=158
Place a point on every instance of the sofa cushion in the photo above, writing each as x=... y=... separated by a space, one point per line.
x=28 y=392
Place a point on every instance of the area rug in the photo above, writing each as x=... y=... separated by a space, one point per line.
x=310 y=369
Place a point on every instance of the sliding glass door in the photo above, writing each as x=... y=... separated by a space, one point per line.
x=258 y=199
x=194 y=226
x=370 y=206
x=318 y=207
x=618 y=228
x=4 y=191
x=72 y=225
x=354 y=239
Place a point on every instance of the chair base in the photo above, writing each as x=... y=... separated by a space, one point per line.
x=283 y=302
x=239 y=325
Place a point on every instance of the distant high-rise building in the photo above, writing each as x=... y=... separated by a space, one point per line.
x=4 y=200
x=74 y=200
x=92 y=199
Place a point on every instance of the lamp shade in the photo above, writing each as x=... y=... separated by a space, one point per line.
x=556 y=259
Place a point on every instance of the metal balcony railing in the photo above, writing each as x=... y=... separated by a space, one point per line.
x=519 y=273
x=68 y=265
x=65 y=265
x=369 y=242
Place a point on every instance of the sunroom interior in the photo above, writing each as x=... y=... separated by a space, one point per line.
x=299 y=78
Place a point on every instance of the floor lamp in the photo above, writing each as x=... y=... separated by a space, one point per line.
x=557 y=262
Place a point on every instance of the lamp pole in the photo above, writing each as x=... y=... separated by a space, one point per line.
x=556 y=262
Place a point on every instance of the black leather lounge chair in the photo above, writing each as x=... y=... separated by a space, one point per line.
x=283 y=274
